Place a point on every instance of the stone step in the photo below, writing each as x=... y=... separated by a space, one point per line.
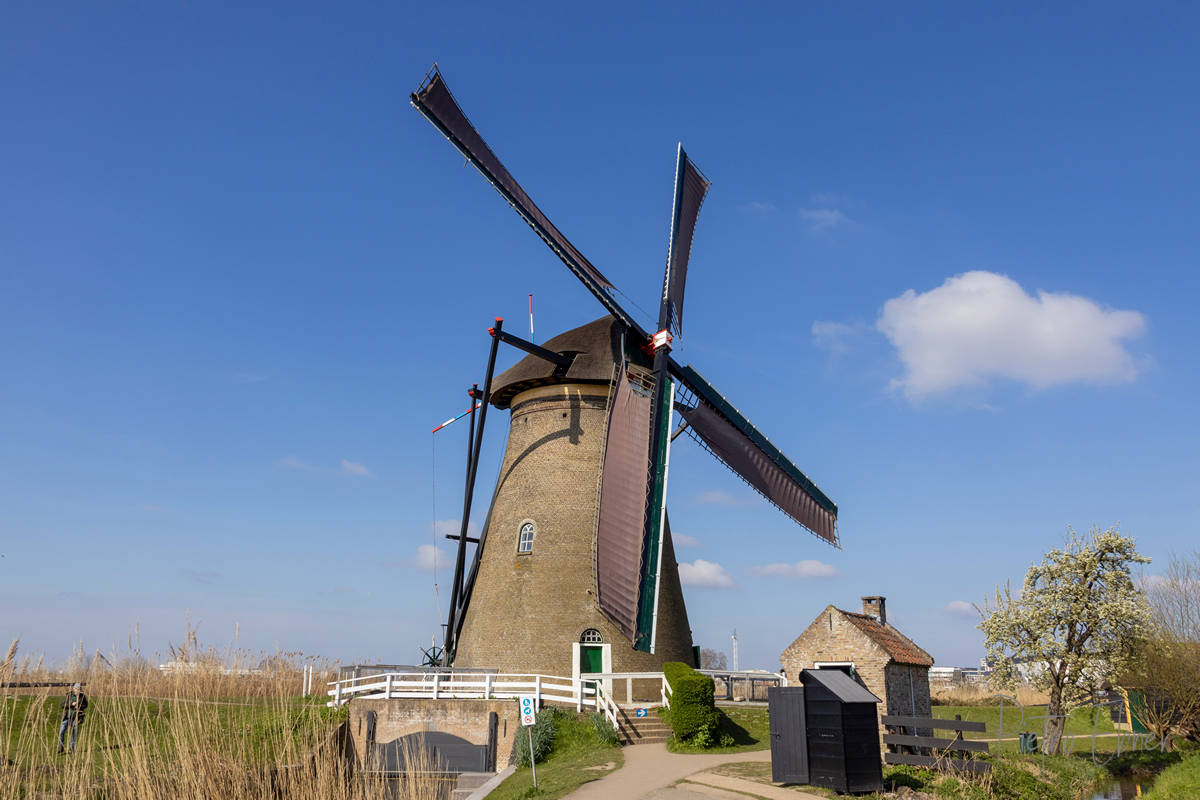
x=644 y=731
x=473 y=780
x=647 y=741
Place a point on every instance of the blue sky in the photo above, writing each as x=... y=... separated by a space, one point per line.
x=948 y=265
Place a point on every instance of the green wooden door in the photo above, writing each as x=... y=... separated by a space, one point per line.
x=591 y=658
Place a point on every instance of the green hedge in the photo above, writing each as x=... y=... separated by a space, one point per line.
x=693 y=715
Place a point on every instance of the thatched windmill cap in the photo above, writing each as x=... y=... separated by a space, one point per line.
x=595 y=346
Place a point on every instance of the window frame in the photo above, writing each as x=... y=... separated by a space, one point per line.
x=528 y=523
x=583 y=637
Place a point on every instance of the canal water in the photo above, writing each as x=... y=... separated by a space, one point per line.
x=1124 y=789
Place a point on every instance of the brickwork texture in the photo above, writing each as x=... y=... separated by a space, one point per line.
x=527 y=609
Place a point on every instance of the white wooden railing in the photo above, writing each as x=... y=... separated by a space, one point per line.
x=615 y=679
x=589 y=692
x=579 y=692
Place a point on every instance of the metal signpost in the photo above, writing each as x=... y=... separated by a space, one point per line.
x=528 y=717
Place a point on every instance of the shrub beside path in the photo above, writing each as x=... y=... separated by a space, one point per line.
x=650 y=768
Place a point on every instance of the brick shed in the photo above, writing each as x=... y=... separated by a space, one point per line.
x=886 y=661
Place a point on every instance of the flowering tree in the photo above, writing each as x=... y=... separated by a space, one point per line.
x=1075 y=622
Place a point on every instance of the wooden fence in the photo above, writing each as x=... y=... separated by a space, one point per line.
x=933 y=751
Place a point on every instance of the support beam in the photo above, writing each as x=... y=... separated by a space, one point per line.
x=529 y=347
x=456 y=601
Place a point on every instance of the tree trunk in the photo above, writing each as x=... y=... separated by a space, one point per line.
x=1056 y=723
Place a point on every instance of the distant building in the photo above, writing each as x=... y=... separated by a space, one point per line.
x=945 y=676
x=889 y=664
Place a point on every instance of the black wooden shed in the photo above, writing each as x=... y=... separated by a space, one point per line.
x=825 y=733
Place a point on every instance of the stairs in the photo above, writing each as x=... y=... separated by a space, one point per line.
x=649 y=729
x=468 y=782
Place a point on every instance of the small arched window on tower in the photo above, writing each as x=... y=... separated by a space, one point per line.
x=591 y=636
x=525 y=540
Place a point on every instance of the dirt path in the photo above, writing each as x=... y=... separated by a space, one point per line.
x=651 y=772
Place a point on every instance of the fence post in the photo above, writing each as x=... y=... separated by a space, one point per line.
x=337 y=697
x=537 y=691
x=578 y=694
x=487 y=686
x=436 y=676
x=388 y=690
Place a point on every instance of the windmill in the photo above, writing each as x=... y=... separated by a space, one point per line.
x=576 y=548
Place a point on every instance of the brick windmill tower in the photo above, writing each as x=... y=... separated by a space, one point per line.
x=574 y=571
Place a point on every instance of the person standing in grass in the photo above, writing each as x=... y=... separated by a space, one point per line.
x=73 y=709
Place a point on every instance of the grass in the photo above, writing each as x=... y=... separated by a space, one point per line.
x=579 y=756
x=1178 y=782
x=208 y=730
x=1012 y=779
x=272 y=729
x=1082 y=723
x=747 y=727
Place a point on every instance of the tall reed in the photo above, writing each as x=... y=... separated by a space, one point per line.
x=208 y=728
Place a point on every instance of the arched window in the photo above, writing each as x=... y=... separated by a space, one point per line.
x=591 y=636
x=525 y=540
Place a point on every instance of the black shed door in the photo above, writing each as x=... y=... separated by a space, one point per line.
x=789 y=740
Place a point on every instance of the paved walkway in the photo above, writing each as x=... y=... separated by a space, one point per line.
x=650 y=770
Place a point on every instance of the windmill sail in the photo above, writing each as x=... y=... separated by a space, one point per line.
x=632 y=538
x=433 y=99
x=690 y=189
x=722 y=430
x=622 y=503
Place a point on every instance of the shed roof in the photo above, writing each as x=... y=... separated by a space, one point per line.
x=902 y=649
x=844 y=687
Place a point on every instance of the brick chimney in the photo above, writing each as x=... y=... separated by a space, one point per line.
x=876 y=607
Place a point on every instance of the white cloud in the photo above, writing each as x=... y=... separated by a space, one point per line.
x=836 y=337
x=820 y=220
x=429 y=557
x=683 y=540
x=293 y=462
x=981 y=325
x=704 y=573
x=801 y=569
x=961 y=608
x=351 y=468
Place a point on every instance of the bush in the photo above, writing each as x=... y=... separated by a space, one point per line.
x=606 y=734
x=693 y=715
x=543 y=737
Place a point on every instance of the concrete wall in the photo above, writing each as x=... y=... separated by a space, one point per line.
x=466 y=719
x=527 y=609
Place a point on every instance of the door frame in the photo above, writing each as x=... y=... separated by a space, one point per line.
x=605 y=661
